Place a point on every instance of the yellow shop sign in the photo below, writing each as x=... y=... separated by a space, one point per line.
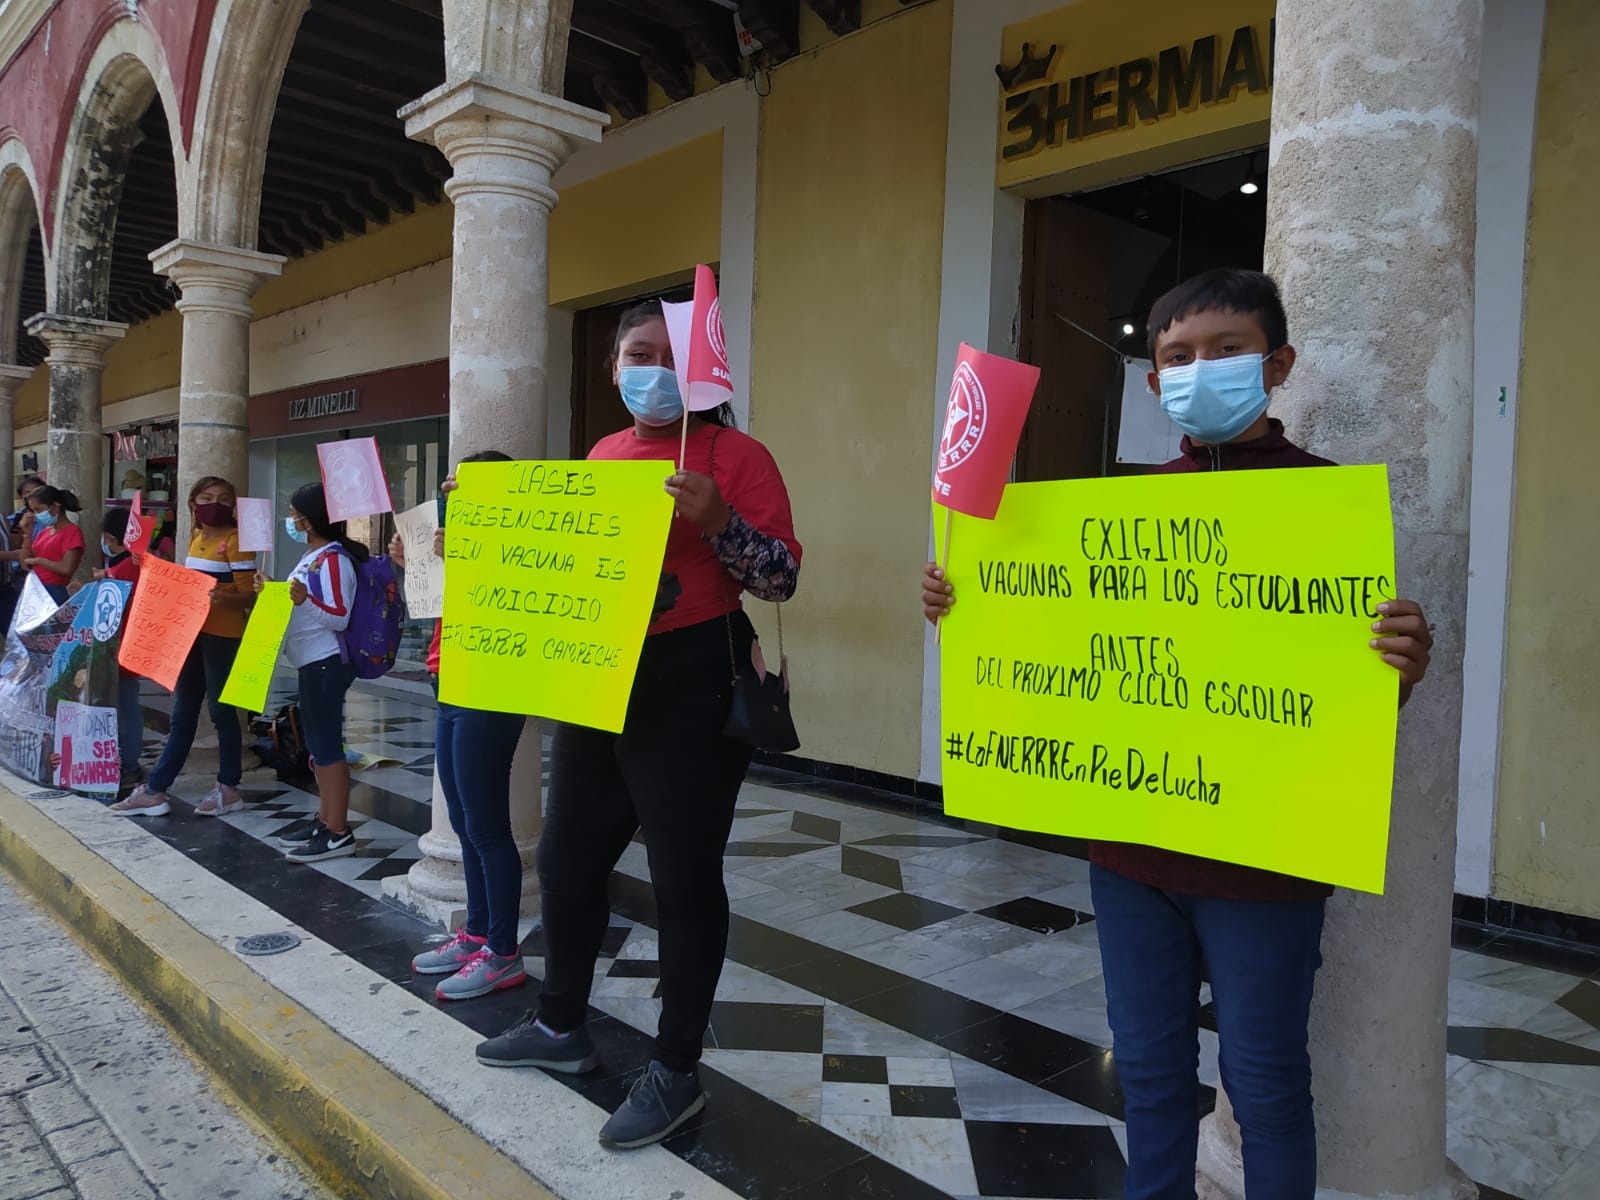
x=1100 y=81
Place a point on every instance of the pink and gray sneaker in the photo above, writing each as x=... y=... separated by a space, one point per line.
x=449 y=957
x=219 y=802
x=483 y=973
x=142 y=802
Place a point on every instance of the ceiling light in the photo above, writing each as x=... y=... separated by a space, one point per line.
x=1249 y=187
x=1127 y=329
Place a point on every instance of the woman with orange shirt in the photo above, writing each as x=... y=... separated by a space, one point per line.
x=214 y=550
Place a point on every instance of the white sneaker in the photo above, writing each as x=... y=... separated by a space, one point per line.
x=142 y=802
x=219 y=802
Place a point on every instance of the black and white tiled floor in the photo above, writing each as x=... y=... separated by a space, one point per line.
x=911 y=1007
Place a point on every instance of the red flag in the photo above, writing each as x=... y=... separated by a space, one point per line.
x=989 y=400
x=140 y=528
x=700 y=346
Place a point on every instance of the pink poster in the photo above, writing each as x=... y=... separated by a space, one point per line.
x=352 y=479
x=255 y=524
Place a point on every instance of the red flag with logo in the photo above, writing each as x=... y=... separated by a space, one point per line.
x=140 y=527
x=699 y=345
x=989 y=399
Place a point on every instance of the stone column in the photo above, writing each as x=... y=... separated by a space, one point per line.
x=1370 y=231
x=77 y=436
x=11 y=378
x=504 y=144
x=216 y=284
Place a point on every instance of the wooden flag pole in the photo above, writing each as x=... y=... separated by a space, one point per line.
x=683 y=444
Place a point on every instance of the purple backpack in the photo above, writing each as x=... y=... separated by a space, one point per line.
x=372 y=638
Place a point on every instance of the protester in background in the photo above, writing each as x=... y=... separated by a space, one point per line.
x=473 y=749
x=671 y=772
x=214 y=551
x=12 y=571
x=122 y=565
x=322 y=588
x=52 y=544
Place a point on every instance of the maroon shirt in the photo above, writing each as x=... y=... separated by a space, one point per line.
x=1167 y=869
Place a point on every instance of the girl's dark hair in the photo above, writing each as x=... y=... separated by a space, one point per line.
x=488 y=456
x=311 y=504
x=212 y=481
x=28 y=481
x=50 y=497
x=650 y=310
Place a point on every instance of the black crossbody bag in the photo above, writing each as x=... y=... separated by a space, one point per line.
x=759 y=715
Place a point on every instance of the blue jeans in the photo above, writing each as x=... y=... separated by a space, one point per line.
x=1261 y=959
x=130 y=722
x=204 y=673
x=473 y=750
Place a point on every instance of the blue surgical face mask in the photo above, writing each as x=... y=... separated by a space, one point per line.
x=1214 y=400
x=107 y=549
x=294 y=531
x=44 y=520
x=651 y=394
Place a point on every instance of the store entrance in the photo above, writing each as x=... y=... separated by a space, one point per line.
x=1093 y=263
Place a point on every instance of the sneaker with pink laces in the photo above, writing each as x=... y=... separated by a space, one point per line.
x=483 y=973
x=219 y=802
x=142 y=802
x=450 y=957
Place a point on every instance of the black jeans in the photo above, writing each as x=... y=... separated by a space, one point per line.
x=672 y=774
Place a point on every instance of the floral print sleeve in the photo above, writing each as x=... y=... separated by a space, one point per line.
x=764 y=565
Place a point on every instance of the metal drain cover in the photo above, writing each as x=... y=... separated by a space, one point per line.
x=267 y=943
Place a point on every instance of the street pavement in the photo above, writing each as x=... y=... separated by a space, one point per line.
x=97 y=1101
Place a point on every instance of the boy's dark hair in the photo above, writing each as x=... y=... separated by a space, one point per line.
x=1225 y=289
x=115 y=522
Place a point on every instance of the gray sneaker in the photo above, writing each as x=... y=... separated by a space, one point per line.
x=660 y=1102
x=448 y=957
x=483 y=973
x=526 y=1044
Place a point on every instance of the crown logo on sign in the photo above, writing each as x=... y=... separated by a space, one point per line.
x=1029 y=68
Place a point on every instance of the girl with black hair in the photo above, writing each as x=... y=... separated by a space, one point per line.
x=671 y=773
x=473 y=751
x=322 y=587
x=52 y=544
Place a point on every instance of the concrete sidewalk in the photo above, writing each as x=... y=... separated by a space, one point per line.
x=97 y=1102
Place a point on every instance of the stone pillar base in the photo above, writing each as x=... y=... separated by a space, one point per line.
x=448 y=912
x=1221 y=1174
x=435 y=890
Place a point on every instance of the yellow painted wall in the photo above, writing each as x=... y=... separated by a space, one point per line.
x=646 y=224
x=849 y=231
x=1547 y=836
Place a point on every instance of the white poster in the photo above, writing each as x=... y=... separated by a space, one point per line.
x=424 y=580
x=1145 y=433
x=86 y=748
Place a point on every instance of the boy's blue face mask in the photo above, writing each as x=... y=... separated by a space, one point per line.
x=651 y=394
x=1214 y=400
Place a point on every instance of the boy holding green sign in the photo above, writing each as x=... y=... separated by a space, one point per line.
x=1220 y=344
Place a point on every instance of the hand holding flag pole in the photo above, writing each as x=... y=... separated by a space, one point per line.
x=699 y=351
x=989 y=401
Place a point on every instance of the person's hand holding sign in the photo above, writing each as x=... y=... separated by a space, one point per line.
x=699 y=500
x=1404 y=640
x=937 y=594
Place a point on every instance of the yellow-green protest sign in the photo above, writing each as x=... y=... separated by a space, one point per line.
x=550 y=573
x=251 y=677
x=1180 y=661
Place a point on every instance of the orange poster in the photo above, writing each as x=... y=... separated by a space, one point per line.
x=169 y=606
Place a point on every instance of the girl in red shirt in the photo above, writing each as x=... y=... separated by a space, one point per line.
x=52 y=545
x=671 y=772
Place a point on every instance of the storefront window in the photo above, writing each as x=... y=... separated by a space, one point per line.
x=415 y=460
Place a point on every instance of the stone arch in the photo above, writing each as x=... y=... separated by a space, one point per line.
x=20 y=213
x=250 y=45
x=126 y=71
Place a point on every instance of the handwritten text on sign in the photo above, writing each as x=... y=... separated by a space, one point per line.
x=86 y=748
x=251 y=677
x=551 y=570
x=169 y=606
x=424 y=578
x=1179 y=661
